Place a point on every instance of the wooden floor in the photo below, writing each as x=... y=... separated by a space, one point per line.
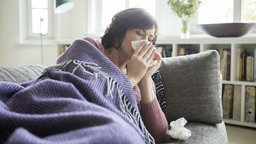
x=241 y=135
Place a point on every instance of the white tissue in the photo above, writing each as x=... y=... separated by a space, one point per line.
x=136 y=44
x=178 y=131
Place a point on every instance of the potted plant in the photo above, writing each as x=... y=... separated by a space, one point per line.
x=184 y=9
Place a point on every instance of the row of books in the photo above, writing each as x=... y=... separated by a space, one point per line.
x=231 y=102
x=246 y=65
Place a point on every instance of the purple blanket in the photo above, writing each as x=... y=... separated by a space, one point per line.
x=83 y=99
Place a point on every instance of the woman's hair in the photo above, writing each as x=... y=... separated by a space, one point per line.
x=127 y=19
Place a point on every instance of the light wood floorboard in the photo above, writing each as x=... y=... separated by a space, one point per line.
x=241 y=135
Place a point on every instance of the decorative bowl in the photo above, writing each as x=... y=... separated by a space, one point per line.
x=228 y=29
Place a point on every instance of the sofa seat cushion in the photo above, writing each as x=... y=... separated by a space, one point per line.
x=203 y=134
x=20 y=74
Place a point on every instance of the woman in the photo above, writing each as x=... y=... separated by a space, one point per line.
x=130 y=25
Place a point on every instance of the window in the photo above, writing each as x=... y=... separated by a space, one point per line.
x=37 y=16
x=223 y=11
x=101 y=11
x=249 y=11
x=216 y=11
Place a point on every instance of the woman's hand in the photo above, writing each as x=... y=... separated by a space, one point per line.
x=154 y=68
x=146 y=84
x=138 y=66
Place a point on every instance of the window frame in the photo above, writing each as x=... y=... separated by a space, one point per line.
x=237 y=11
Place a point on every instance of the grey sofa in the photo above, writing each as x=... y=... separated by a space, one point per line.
x=192 y=87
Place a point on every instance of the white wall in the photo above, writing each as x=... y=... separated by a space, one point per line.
x=72 y=24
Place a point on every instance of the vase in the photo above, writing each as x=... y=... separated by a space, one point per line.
x=185 y=28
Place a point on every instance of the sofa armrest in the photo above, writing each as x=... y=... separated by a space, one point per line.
x=21 y=74
x=192 y=86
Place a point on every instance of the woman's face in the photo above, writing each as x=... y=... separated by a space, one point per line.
x=132 y=35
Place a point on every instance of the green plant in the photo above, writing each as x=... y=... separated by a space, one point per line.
x=184 y=8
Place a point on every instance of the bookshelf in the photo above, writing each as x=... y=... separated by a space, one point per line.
x=170 y=47
x=230 y=50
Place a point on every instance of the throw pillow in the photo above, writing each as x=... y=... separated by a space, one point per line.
x=192 y=86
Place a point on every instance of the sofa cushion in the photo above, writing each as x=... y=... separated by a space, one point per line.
x=20 y=74
x=192 y=86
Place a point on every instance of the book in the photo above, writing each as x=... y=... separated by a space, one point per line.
x=243 y=65
x=254 y=65
x=249 y=115
x=228 y=65
x=240 y=68
x=223 y=64
x=237 y=102
x=227 y=100
x=249 y=68
x=238 y=64
x=225 y=61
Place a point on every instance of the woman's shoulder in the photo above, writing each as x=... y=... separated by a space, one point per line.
x=94 y=42
x=90 y=38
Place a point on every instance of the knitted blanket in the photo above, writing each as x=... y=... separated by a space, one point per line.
x=85 y=98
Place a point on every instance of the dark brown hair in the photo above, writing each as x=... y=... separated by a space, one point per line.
x=127 y=19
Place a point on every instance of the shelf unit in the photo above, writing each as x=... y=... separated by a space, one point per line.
x=201 y=44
